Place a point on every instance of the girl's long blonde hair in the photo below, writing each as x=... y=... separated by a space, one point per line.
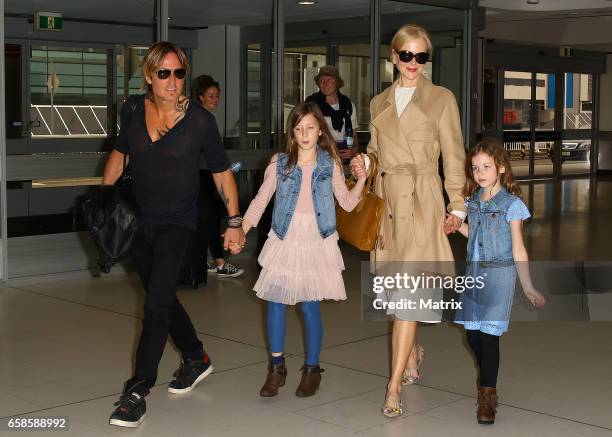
x=496 y=150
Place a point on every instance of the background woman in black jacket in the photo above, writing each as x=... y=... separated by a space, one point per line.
x=206 y=91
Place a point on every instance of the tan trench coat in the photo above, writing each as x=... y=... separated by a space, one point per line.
x=408 y=149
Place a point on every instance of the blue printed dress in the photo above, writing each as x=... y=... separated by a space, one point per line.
x=488 y=309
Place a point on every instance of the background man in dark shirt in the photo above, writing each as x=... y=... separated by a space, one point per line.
x=164 y=136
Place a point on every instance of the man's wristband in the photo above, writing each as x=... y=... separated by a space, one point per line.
x=234 y=221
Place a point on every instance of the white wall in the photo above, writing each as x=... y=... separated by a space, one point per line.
x=218 y=55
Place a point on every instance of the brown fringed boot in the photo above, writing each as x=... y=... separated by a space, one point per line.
x=277 y=373
x=311 y=379
x=487 y=405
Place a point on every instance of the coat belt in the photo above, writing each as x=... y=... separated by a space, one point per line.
x=422 y=231
x=412 y=169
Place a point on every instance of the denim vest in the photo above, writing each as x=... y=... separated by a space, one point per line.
x=288 y=189
x=489 y=224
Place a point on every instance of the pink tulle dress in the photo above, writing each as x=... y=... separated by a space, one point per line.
x=303 y=266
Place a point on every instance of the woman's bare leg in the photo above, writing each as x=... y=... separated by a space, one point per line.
x=412 y=368
x=402 y=343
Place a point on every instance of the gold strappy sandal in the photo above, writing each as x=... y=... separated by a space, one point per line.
x=408 y=379
x=389 y=411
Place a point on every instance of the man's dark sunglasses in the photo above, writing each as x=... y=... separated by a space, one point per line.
x=164 y=73
x=406 y=56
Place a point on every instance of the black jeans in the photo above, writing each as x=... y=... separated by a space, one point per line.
x=158 y=253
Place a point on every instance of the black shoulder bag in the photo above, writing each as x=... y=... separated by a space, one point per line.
x=110 y=214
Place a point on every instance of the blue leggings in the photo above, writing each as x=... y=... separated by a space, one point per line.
x=314 y=329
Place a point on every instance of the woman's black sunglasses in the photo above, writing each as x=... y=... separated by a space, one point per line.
x=164 y=73
x=406 y=56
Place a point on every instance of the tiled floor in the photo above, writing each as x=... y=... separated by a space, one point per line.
x=66 y=346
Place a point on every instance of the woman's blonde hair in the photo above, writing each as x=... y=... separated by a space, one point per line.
x=153 y=59
x=409 y=32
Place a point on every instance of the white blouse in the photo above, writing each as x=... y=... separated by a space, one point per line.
x=403 y=96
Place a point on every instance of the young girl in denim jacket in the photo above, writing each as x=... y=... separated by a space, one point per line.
x=495 y=253
x=301 y=259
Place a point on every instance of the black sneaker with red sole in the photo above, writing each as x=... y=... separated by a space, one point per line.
x=190 y=374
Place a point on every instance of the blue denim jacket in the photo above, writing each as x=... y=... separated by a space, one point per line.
x=288 y=189
x=489 y=224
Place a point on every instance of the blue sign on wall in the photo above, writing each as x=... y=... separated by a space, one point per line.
x=569 y=91
x=550 y=92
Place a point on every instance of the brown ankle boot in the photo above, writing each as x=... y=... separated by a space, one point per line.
x=311 y=379
x=275 y=379
x=487 y=405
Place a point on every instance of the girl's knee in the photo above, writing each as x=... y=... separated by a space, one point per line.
x=489 y=339
x=276 y=307
x=311 y=309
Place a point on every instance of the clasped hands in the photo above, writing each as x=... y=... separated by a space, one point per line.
x=452 y=223
x=358 y=167
x=234 y=240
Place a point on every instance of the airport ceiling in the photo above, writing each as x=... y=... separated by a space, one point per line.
x=545 y=8
x=200 y=13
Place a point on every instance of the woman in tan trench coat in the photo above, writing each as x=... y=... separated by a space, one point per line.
x=412 y=123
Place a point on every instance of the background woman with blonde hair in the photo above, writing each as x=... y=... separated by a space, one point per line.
x=413 y=122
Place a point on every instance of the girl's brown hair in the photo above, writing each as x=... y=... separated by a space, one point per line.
x=495 y=149
x=326 y=140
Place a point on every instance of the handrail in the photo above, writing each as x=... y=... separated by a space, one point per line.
x=96 y=125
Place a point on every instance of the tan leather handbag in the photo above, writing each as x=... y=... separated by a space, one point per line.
x=359 y=228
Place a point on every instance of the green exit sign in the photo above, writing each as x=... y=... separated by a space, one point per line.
x=48 y=21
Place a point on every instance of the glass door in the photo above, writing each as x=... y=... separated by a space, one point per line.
x=516 y=121
x=576 y=152
x=302 y=63
x=547 y=136
x=531 y=123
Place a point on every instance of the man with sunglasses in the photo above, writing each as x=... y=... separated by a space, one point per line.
x=165 y=137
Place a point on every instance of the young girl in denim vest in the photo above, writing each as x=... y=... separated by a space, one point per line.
x=495 y=253
x=301 y=259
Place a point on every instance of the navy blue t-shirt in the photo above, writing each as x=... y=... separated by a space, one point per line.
x=165 y=173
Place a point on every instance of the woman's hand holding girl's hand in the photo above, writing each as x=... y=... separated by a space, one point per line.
x=535 y=297
x=452 y=223
x=357 y=166
x=448 y=228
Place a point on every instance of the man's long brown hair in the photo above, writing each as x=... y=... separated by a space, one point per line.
x=326 y=140
x=496 y=150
